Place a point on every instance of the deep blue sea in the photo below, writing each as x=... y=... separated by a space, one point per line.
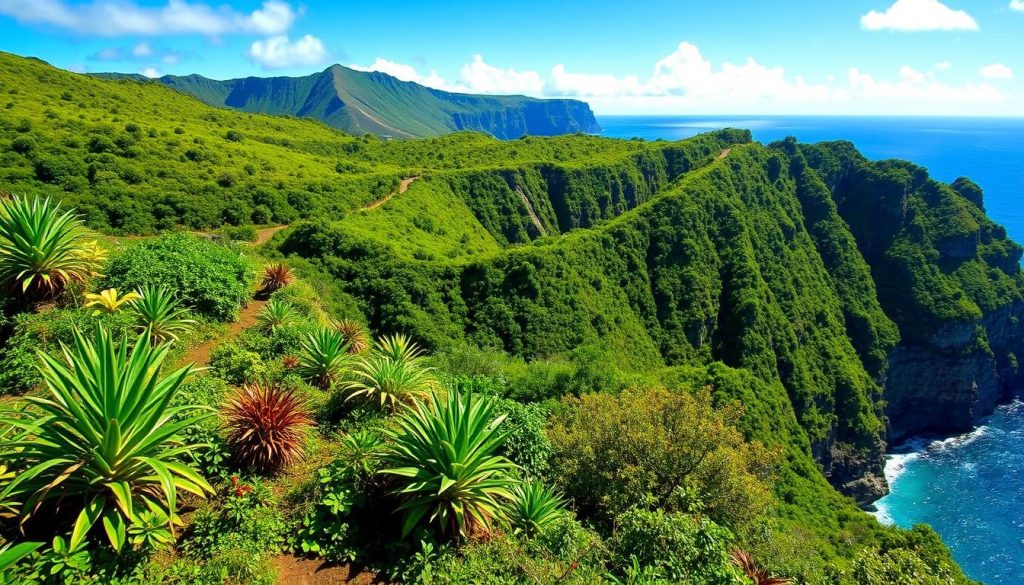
x=969 y=488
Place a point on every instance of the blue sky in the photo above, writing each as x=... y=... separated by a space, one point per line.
x=942 y=57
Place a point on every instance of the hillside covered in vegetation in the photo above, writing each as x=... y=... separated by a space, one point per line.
x=360 y=102
x=457 y=359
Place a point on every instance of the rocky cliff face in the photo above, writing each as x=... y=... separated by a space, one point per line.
x=947 y=276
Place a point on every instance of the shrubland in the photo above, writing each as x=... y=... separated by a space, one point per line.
x=550 y=360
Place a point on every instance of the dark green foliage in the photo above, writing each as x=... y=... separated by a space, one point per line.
x=679 y=547
x=212 y=280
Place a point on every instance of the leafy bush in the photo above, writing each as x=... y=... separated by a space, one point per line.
x=34 y=332
x=679 y=547
x=527 y=444
x=238 y=365
x=106 y=435
x=211 y=279
x=443 y=457
x=659 y=448
x=212 y=457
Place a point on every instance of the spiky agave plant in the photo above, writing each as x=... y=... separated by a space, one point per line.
x=275 y=277
x=393 y=383
x=533 y=506
x=323 y=358
x=354 y=334
x=267 y=426
x=160 y=313
x=105 y=444
x=400 y=348
x=745 y=562
x=41 y=248
x=108 y=301
x=443 y=456
x=276 y=314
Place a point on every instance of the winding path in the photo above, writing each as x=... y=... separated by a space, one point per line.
x=402 y=188
x=200 y=354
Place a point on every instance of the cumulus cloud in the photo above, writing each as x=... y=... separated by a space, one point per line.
x=404 y=72
x=686 y=81
x=918 y=15
x=479 y=76
x=113 y=18
x=278 y=52
x=996 y=71
x=150 y=72
x=1017 y=5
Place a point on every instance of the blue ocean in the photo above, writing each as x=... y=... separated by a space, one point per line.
x=969 y=488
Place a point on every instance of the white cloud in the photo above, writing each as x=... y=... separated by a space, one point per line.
x=686 y=81
x=918 y=15
x=142 y=50
x=996 y=71
x=1017 y=5
x=480 y=77
x=403 y=72
x=477 y=76
x=150 y=72
x=112 y=18
x=943 y=66
x=279 y=52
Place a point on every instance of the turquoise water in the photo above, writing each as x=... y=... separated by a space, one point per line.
x=969 y=488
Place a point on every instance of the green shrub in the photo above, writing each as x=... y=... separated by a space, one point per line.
x=213 y=280
x=659 y=448
x=212 y=458
x=527 y=444
x=34 y=332
x=238 y=365
x=680 y=547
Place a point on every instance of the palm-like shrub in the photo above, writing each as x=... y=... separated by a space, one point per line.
x=443 y=456
x=276 y=314
x=266 y=426
x=108 y=301
x=758 y=576
x=323 y=358
x=106 y=438
x=533 y=506
x=41 y=248
x=275 y=277
x=393 y=373
x=354 y=334
x=160 y=313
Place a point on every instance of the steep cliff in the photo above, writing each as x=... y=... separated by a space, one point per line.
x=947 y=275
x=361 y=102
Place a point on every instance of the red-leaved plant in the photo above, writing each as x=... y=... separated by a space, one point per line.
x=267 y=426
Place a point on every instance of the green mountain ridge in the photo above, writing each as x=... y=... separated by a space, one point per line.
x=360 y=102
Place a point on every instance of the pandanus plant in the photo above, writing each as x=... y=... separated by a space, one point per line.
x=42 y=249
x=105 y=443
x=392 y=373
x=443 y=457
x=161 y=314
x=109 y=301
x=275 y=277
x=323 y=358
x=534 y=506
x=354 y=334
x=267 y=426
x=745 y=562
x=275 y=315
